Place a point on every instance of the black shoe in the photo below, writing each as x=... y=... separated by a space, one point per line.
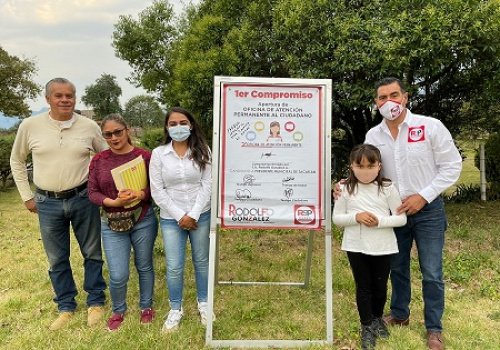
x=380 y=328
x=368 y=337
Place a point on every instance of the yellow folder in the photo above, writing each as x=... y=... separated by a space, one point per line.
x=131 y=175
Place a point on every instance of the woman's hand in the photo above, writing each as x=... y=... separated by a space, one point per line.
x=188 y=223
x=125 y=197
x=130 y=195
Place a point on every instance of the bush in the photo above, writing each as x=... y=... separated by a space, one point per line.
x=492 y=155
x=152 y=138
x=492 y=164
x=6 y=142
x=464 y=194
x=493 y=192
x=471 y=193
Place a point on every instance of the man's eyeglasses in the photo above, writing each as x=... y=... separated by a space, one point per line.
x=109 y=134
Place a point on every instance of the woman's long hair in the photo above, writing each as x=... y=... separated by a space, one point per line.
x=372 y=155
x=200 y=151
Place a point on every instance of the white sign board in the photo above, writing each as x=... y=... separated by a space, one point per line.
x=272 y=154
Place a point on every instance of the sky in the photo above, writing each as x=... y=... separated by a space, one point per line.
x=70 y=39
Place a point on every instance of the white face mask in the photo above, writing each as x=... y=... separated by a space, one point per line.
x=366 y=175
x=391 y=110
x=179 y=132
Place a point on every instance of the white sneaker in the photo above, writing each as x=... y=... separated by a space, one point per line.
x=203 y=310
x=173 y=319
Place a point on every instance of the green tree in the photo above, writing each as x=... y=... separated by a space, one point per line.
x=16 y=84
x=146 y=44
x=447 y=52
x=103 y=96
x=143 y=111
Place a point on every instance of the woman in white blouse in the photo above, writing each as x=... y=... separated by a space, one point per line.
x=181 y=175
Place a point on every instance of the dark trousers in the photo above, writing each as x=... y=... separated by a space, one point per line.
x=427 y=228
x=371 y=274
x=55 y=217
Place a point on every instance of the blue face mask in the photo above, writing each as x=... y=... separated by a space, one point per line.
x=179 y=132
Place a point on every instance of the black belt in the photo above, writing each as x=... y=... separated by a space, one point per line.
x=63 y=194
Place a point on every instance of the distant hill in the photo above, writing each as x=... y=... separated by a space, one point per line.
x=43 y=109
x=9 y=122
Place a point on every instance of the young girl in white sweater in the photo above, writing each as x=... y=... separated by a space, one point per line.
x=366 y=208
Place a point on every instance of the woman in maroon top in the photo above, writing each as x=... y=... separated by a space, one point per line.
x=138 y=227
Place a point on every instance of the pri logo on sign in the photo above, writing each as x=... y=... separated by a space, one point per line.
x=416 y=133
x=304 y=214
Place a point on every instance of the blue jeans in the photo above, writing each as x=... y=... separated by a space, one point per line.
x=117 y=246
x=174 y=242
x=427 y=228
x=55 y=217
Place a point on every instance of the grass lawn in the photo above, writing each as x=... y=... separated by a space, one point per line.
x=471 y=320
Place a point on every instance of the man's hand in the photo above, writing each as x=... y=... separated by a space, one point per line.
x=336 y=191
x=31 y=205
x=366 y=218
x=412 y=204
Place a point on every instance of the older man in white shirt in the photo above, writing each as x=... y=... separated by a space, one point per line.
x=61 y=143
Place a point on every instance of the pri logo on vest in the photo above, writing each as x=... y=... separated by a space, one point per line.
x=416 y=133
